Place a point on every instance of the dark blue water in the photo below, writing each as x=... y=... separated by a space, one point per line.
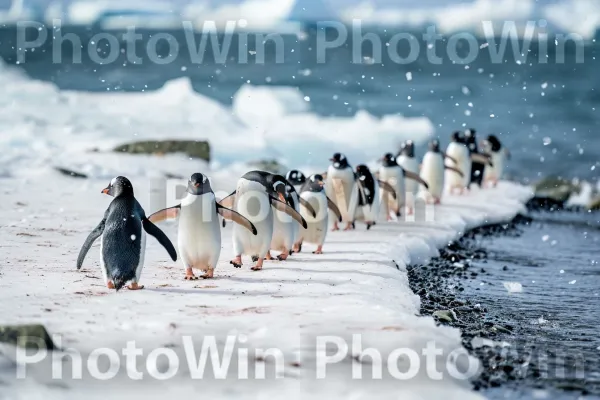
x=547 y=114
x=556 y=314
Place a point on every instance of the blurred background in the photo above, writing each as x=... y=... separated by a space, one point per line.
x=296 y=110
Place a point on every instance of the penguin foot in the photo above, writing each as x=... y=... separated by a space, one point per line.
x=189 y=275
x=283 y=256
x=110 y=285
x=297 y=248
x=437 y=201
x=258 y=266
x=254 y=258
x=209 y=274
x=236 y=262
x=335 y=227
x=319 y=250
x=135 y=286
x=370 y=225
x=349 y=226
x=269 y=256
x=290 y=252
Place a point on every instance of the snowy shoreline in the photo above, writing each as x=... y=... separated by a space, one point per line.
x=354 y=288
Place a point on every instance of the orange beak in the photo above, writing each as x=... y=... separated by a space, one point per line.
x=196 y=184
x=282 y=198
x=105 y=190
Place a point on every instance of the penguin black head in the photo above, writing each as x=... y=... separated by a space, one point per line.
x=363 y=170
x=457 y=137
x=434 y=146
x=295 y=177
x=315 y=183
x=470 y=135
x=339 y=161
x=198 y=184
x=279 y=185
x=389 y=160
x=408 y=149
x=494 y=142
x=119 y=186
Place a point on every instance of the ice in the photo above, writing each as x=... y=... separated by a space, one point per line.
x=358 y=286
x=262 y=123
x=513 y=287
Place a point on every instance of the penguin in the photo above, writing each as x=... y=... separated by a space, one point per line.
x=257 y=192
x=123 y=241
x=341 y=187
x=477 y=167
x=407 y=160
x=286 y=230
x=493 y=147
x=369 y=200
x=395 y=176
x=432 y=172
x=199 y=232
x=458 y=150
x=296 y=178
x=314 y=193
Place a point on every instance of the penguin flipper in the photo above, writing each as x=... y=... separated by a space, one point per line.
x=388 y=188
x=308 y=206
x=228 y=201
x=482 y=158
x=95 y=234
x=167 y=213
x=236 y=217
x=155 y=231
x=283 y=207
x=335 y=209
x=450 y=158
x=416 y=178
x=458 y=171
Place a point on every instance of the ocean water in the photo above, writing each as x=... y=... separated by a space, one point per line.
x=545 y=113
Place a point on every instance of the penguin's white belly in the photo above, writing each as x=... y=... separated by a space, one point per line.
x=252 y=202
x=199 y=234
x=409 y=164
x=460 y=153
x=432 y=172
x=342 y=190
x=496 y=171
x=316 y=229
x=395 y=178
x=284 y=231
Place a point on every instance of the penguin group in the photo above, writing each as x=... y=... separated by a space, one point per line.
x=276 y=213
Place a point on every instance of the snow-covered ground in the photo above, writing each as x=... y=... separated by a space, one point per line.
x=359 y=286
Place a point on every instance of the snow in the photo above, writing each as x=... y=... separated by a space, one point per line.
x=273 y=121
x=354 y=288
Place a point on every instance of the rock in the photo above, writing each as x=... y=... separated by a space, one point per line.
x=26 y=336
x=594 y=204
x=72 y=174
x=447 y=316
x=555 y=188
x=193 y=148
x=272 y=166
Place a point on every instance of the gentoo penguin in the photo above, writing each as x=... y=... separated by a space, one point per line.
x=285 y=229
x=296 y=178
x=395 y=176
x=341 y=187
x=255 y=194
x=368 y=199
x=407 y=160
x=314 y=194
x=432 y=172
x=123 y=241
x=199 y=233
x=457 y=150
x=477 y=167
x=492 y=147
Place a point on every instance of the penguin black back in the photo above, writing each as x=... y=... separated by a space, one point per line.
x=494 y=142
x=476 y=167
x=314 y=184
x=389 y=160
x=407 y=149
x=367 y=181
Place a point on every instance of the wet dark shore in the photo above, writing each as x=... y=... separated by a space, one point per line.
x=522 y=355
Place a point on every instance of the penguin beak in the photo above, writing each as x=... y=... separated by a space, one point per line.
x=332 y=159
x=105 y=190
x=282 y=198
x=196 y=184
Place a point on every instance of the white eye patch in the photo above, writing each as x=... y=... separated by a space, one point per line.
x=277 y=184
x=342 y=158
x=113 y=181
x=203 y=178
